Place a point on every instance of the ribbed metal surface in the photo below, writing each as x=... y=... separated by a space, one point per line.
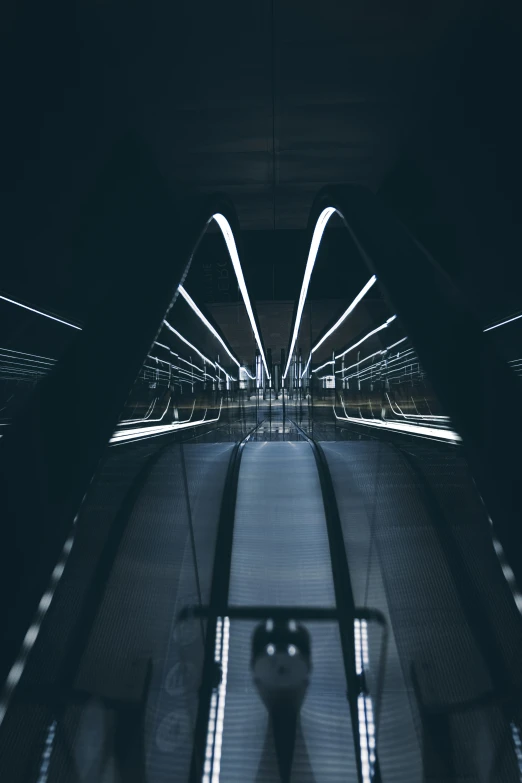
x=398 y=565
x=152 y=578
x=280 y=553
x=24 y=722
x=281 y=557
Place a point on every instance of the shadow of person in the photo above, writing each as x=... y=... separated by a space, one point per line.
x=285 y=756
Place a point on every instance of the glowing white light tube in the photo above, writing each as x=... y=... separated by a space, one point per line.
x=234 y=257
x=370 y=356
x=432 y=433
x=503 y=323
x=137 y=433
x=347 y=312
x=320 y=226
x=175 y=331
x=40 y=312
x=247 y=372
x=367 y=336
x=147 y=418
x=307 y=365
x=188 y=299
x=229 y=377
x=399 y=412
x=324 y=365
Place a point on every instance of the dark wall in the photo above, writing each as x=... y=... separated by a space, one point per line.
x=457 y=185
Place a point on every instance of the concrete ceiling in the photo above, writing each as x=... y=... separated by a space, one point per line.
x=280 y=98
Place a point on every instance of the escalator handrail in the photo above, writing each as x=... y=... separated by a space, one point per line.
x=467 y=373
x=218 y=600
x=344 y=597
x=51 y=452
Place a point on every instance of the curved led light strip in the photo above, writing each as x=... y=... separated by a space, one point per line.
x=232 y=250
x=371 y=355
x=183 y=339
x=252 y=377
x=432 y=433
x=350 y=309
x=421 y=416
x=320 y=226
x=367 y=336
x=186 y=296
x=344 y=316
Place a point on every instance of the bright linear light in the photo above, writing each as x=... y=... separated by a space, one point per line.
x=400 y=426
x=230 y=378
x=307 y=365
x=136 y=433
x=234 y=257
x=367 y=336
x=347 y=312
x=33 y=355
x=323 y=365
x=503 y=323
x=252 y=377
x=384 y=350
x=188 y=299
x=175 y=331
x=39 y=312
x=320 y=226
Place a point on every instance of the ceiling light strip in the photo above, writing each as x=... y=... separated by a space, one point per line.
x=40 y=312
x=183 y=339
x=188 y=299
x=350 y=309
x=234 y=257
x=320 y=226
x=367 y=336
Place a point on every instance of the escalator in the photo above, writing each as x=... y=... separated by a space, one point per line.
x=253 y=589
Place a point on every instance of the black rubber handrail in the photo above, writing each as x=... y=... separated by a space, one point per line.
x=344 y=598
x=218 y=602
x=50 y=453
x=467 y=373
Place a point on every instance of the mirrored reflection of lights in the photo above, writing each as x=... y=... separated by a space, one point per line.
x=347 y=312
x=517 y=744
x=234 y=257
x=322 y=366
x=292 y=650
x=246 y=372
x=40 y=312
x=139 y=433
x=507 y=571
x=186 y=296
x=270 y=649
x=371 y=356
x=183 y=339
x=33 y=631
x=367 y=337
x=432 y=433
x=307 y=365
x=147 y=416
x=214 y=742
x=320 y=226
x=43 y=773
